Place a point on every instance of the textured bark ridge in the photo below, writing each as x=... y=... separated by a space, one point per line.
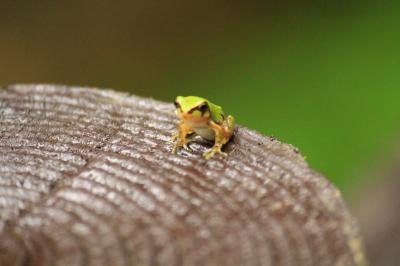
x=87 y=178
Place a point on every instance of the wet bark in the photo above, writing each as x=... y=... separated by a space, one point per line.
x=87 y=178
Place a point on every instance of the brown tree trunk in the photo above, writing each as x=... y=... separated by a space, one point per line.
x=87 y=178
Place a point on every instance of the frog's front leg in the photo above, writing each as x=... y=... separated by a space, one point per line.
x=229 y=124
x=223 y=133
x=180 y=137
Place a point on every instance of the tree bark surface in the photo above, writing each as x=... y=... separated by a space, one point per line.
x=87 y=178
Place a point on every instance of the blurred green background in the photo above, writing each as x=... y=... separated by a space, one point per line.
x=321 y=75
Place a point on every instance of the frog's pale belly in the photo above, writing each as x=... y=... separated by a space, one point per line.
x=205 y=132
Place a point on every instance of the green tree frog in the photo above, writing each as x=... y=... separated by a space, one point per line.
x=200 y=116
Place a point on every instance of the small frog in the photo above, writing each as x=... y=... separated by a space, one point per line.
x=200 y=116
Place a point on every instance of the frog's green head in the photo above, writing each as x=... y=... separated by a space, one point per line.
x=192 y=107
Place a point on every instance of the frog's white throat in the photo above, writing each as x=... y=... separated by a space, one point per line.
x=205 y=132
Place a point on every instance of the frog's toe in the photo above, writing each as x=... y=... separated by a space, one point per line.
x=210 y=153
x=223 y=153
x=174 y=149
x=173 y=137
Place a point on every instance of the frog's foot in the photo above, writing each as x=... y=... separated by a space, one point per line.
x=174 y=137
x=183 y=144
x=214 y=150
x=174 y=149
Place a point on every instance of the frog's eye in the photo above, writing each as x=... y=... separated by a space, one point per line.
x=177 y=105
x=203 y=108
